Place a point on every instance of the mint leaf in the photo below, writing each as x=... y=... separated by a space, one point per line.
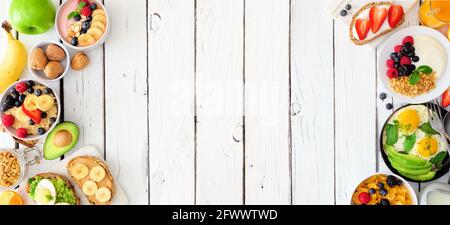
x=425 y=69
x=438 y=158
x=72 y=15
x=80 y=6
x=427 y=129
x=409 y=142
x=391 y=134
x=414 y=78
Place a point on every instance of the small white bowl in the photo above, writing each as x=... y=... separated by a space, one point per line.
x=404 y=182
x=96 y=44
x=65 y=62
x=434 y=187
x=12 y=131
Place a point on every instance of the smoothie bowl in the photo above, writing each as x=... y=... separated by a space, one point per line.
x=29 y=110
x=82 y=24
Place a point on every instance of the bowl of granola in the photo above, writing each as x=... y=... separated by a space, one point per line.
x=413 y=64
x=13 y=166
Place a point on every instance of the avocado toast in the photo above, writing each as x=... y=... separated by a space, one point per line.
x=64 y=190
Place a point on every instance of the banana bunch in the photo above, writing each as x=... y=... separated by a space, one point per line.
x=14 y=59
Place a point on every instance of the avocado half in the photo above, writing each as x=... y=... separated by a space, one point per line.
x=62 y=139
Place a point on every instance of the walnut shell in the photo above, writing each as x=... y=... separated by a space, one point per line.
x=55 y=53
x=79 y=61
x=38 y=60
x=53 y=70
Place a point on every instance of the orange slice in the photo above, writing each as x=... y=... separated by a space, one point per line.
x=10 y=198
x=86 y=40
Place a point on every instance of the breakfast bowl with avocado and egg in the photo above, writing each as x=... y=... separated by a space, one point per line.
x=411 y=148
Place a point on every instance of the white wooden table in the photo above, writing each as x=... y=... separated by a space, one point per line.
x=228 y=102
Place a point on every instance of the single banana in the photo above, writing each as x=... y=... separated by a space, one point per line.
x=89 y=188
x=103 y=194
x=14 y=60
x=97 y=173
x=79 y=171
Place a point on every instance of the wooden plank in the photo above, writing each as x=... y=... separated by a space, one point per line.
x=126 y=97
x=219 y=91
x=312 y=115
x=171 y=99
x=267 y=142
x=84 y=102
x=355 y=108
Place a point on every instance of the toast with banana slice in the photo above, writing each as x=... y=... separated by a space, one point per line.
x=94 y=179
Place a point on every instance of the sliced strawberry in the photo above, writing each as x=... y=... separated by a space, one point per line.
x=395 y=15
x=34 y=115
x=446 y=98
x=362 y=28
x=377 y=17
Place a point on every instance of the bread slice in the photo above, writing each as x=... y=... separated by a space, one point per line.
x=55 y=176
x=29 y=144
x=381 y=33
x=91 y=162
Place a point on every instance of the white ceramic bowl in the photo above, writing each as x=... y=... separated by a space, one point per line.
x=405 y=183
x=388 y=47
x=12 y=131
x=65 y=62
x=434 y=187
x=93 y=46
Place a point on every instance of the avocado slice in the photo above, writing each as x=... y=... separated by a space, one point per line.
x=425 y=177
x=407 y=164
x=412 y=172
x=61 y=140
x=412 y=159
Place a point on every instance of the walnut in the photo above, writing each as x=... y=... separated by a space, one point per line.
x=79 y=61
x=53 y=70
x=38 y=60
x=55 y=53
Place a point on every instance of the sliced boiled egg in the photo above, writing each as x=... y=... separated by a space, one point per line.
x=45 y=193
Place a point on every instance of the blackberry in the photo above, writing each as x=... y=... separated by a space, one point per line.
x=9 y=101
x=393 y=181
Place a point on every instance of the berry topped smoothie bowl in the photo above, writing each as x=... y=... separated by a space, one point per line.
x=82 y=24
x=29 y=110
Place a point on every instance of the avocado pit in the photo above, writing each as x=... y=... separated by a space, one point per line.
x=63 y=138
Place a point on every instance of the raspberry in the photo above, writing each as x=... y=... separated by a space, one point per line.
x=398 y=48
x=364 y=198
x=8 y=120
x=405 y=60
x=21 y=87
x=86 y=11
x=390 y=63
x=392 y=73
x=21 y=133
x=408 y=39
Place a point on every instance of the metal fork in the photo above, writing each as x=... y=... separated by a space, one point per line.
x=436 y=117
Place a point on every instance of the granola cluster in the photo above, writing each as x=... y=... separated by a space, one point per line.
x=426 y=83
x=9 y=169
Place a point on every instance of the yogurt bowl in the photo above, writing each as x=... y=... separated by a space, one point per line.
x=82 y=24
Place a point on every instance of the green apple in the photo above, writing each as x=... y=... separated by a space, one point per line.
x=32 y=16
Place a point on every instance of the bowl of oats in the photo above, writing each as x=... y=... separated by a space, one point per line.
x=13 y=166
x=413 y=64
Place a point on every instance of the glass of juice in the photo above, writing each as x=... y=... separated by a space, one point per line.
x=435 y=13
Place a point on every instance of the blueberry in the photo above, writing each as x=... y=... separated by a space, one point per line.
x=383 y=192
x=383 y=96
x=93 y=6
x=389 y=106
x=85 y=25
x=31 y=122
x=77 y=18
x=89 y=18
x=348 y=7
x=415 y=59
x=74 y=41
x=47 y=91
x=384 y=202
x=43 y=115
x=38 y=92
x=83 y=31
x=344 y=13
x=372 y=191
x=380 y=185
x=15 y=95
x=30 y=83
x=395 y=57
x=41 y=131
x=396 y=65
x=17 y=103
x=22 y=98
x=52 y=120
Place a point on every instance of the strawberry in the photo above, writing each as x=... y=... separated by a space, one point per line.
x=34 y=115
x=398 y=48
x=86 y=11
x=377 y=17
x=22 y=133
x=395 y=15
x=8 y=120
x=362 y=28
x=446 y=98
x=392 y=73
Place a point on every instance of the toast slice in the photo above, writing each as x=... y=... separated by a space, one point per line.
x=353 y=36
x=55 y=176
x=106 y=182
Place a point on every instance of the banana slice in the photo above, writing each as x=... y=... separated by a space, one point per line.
x=97 y=173
x=99 y=25
x=44 y=102
x=79 y=171
x=99 y=18
x=30 y=102
x=98 y=12
x=86 y=40
x=89 y=188
x=21 y=116
x=96 y=33
x=103 y=194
